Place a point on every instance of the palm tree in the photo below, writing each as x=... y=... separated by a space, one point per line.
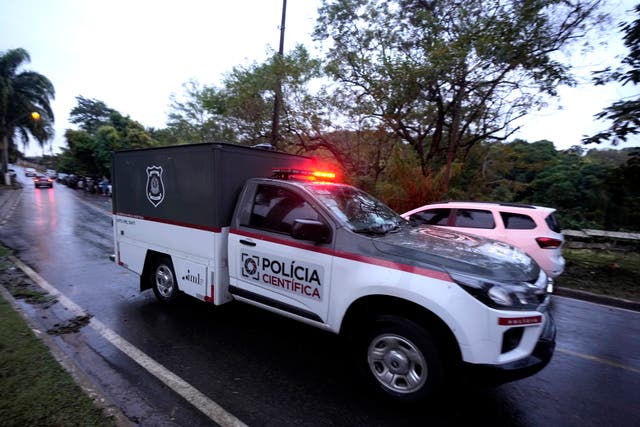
x=21 y=94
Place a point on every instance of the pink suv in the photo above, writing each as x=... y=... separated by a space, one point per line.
x=533 y=229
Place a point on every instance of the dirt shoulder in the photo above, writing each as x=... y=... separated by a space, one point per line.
x=607 y=277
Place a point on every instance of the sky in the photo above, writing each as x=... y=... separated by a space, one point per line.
x=134 y=54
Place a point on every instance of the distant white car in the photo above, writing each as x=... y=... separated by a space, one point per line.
x=534 y=229
x=30 y=172
x=51 y=173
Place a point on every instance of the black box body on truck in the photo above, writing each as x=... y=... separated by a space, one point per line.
x=203 y=185
x=221 y=222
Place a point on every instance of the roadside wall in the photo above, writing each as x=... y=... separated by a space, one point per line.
x=601 y=239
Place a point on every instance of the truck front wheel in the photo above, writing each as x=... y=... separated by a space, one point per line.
x=402 y=359
x=163 y=280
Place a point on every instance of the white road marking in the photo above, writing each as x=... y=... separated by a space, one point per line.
x=205 y=405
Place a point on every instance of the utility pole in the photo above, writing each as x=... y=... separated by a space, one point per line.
x=277 y=105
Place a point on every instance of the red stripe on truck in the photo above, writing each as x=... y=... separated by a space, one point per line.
x=439 y=275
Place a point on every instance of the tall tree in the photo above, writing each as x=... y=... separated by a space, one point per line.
x=444 y=75
x=624 y=114
x=199 y=115
x=90 y=114
x=241 y=109
x=102 y=131
x=624 y=210
x=23 y=92
x=251 y=93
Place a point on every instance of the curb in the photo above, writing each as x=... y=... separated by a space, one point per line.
x=597 y=298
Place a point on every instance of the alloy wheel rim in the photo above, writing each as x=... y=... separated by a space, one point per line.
x=164 y=281
x=397 y=363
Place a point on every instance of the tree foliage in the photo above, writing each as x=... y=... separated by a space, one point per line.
x=624 y=114
x=251 y=91
x=422 y=95
x=102 y=130
x=589 y=189
x=21 y=93
x=445 y=75
x=90 y=114
x=199 y=115
x=623 y=211
x=241 y=109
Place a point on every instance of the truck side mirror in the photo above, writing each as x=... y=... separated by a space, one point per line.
x=309 y=229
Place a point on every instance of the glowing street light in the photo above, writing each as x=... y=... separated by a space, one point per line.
x=5 y=144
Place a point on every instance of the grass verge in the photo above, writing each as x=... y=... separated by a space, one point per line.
x=34 y=388
x=615 y=274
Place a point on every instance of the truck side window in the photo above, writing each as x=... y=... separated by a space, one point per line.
x=276 y=209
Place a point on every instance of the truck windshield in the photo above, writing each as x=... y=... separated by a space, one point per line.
x=359 y=210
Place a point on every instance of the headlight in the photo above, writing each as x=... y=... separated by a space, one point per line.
x=506 y=295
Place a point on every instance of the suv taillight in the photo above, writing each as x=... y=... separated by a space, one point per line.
x=548 y=243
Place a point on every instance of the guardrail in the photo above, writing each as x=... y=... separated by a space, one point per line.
x=601 y=239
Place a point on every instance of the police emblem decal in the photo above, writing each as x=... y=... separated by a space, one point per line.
x=155 y=187
x=250 y=266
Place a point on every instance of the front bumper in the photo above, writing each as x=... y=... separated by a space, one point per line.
x=530 y=365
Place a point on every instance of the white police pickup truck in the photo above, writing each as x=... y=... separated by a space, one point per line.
x=221 y=222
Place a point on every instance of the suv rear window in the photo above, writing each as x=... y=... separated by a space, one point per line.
x=552 y=222
x=514 y=221
x=474 y=218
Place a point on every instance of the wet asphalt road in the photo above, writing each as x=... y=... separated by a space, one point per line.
x=271 y=371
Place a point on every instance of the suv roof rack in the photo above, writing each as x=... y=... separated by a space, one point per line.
x=513 y=205
x=518 y=205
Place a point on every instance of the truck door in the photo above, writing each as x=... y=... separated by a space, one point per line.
x=268 y=266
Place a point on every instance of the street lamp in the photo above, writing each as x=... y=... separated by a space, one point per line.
x=5 y=143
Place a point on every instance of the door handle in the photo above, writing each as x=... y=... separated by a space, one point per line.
x=247 y=243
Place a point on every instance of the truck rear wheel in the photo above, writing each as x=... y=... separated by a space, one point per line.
x=401 y=359
x=163 y=280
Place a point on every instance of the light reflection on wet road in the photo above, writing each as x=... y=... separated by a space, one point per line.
x=267 y=370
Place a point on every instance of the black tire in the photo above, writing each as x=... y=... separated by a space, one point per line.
x=163 y=280
x=401 y=359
